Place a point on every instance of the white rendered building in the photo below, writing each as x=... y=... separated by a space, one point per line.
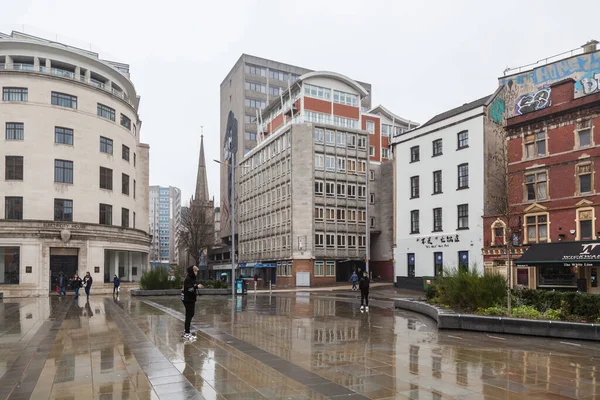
x=439 y=194
x=73 y=173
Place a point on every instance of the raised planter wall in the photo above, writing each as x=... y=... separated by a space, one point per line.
x=448 y=319
x=177 y=292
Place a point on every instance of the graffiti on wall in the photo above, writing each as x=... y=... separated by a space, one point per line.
x=497 y=110
x=533 y=101
x=590 y=83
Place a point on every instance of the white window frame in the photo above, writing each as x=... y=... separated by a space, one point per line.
x=319 y=161
x=370 y=125
x=329 y=163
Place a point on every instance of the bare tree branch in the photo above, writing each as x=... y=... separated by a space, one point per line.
x=197 y=231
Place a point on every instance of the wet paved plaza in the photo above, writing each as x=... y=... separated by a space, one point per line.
x=289 y=346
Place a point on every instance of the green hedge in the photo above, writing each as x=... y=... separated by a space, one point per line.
x=158 y=279
x=574 y=306
x=214 y=284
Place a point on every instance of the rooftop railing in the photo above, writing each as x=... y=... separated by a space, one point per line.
x=66 y=75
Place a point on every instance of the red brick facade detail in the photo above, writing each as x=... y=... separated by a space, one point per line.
x=374 y=139
x=343 y=110
x=317 y=105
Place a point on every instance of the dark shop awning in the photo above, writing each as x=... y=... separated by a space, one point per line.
x=561 y=252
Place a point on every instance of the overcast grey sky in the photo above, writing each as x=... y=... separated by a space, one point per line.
x=422 y=57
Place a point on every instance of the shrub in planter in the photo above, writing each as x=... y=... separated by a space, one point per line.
x=158 y=279
x=493 y=311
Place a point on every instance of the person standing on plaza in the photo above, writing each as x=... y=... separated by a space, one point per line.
x=62 y=282
x=354 y=280
x=77 y=284
x=88 y=283
x=117 y=283
x=364 y=291
x=188 y=296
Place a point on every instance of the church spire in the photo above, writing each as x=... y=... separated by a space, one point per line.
x=201 y=180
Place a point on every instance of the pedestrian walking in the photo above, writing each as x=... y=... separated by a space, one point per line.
x=188 y=297
x=117 y=283
x=87 y=281
x=62 y=283
x=76 y=284
x=354 y=280
x=364 y=291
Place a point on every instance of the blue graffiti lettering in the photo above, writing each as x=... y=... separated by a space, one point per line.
x=533 y=101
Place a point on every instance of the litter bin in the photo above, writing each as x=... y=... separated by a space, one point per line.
x=428 y=281
x=241 y=287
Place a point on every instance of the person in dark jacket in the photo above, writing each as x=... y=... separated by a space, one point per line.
x=363 y=285
x=77 y=284
x=62 y=283
x=188 y=296
x=87 y=281
x=117 y=283
x=354 y=280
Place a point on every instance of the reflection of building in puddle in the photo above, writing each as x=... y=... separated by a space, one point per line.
x=324 y=308
x=413 y=363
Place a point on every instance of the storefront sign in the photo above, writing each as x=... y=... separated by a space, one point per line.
x=587 y=252
x=435 y=242
x=58 y=225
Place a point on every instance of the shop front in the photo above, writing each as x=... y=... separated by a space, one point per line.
x=265 y=272
x=565 y=265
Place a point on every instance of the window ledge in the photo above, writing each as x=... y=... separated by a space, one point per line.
x=462 y=229
x=414 y=197
x=412 y=162
x=415 y=233
x=462 y=148
x=437 y=230
x=437 y=155
x=434 y=193
x=462 y=188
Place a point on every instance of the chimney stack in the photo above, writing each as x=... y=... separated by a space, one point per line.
x=590 y=46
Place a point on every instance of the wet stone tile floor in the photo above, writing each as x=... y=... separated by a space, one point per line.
x=296 y=346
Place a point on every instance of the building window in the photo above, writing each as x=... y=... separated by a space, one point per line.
x=105 y=214
x=437 y=182
x=372 y=222
x=410 y=258
x=537 y=228
x=341 y=215
x=319 y=161
x=414 y=154
x=124 y=218
x=351 y=141
x=351 y=190
x=362 y=142
x=63 y=100
x=438 y=263
x=330 y=214
x=125 y=121
x=463 y=176
x=256 y=87
x=462 y=139
x=535 y=145
x=414 y=221
x=585 y=219
x=362 y=216
x=106 y=145
x=319 y=187
x=372 y=198
x=341 y=190
x=584 y=134
x=275 y=91
x=330 y=189
x=437 y=219
x=536 y=186
x=319 y=269
x=255 y=103
x=437 y=148
x=319 y=135
x=341 y=167
x=370 y=127
x=352 y=241
x=330 y=267
x=125 y=153
x=63 y=135
x=362 y=241
x=385 y=152
x=63 y=171
x=10 y=259
x=330 y=163
x=13 y=168
x=255 y=70
x=362 y=191
x=414 y=187
x=330 y=240
x=463 y=261
x=372 y=151
x=278 y=75
x=318 y=240
x=319 y=213
x=584 y=178
x=345 y=98
x=105 y=112
x=362 y=167
x=14 y=94
x=106 y=178
x=134 y=187
x=498 y=233
x=330 y=137
x=125 y=184
x=371 y=175
x=13 y=208
x=341 y=139
x=250 y=136
x=386 y=130
x=134 y=159
x=463 y=216
x=15 y=131
x=63 y=210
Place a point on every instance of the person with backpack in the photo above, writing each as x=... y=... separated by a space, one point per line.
x=188 y=297
x=87 y=281
x=354 y=280
x=76 y=284
x=364 y=291
x=117 y=283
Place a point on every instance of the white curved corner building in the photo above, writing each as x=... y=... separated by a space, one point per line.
x=73 y=173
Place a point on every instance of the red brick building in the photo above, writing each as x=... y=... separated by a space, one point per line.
x=554 y=153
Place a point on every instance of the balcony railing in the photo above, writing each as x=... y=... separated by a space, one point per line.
x=67 y=75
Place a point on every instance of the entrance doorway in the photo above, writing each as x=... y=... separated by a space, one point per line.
x=63 y=260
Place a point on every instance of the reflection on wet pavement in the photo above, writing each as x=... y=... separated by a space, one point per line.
x=277 y=347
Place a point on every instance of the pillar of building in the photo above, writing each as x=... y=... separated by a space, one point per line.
x=48 y=65
x=88 y=76
x=77 y=73
x=9 y=62
x=36 y=64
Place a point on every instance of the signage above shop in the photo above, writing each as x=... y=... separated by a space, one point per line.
x=569 y=253
x=432 y=242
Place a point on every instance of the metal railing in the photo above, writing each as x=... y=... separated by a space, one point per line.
x=66 y=75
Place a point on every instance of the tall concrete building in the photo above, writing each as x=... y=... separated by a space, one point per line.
x=248 y=88
x=74 y=181
x=312 y=192
x=165 y=222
